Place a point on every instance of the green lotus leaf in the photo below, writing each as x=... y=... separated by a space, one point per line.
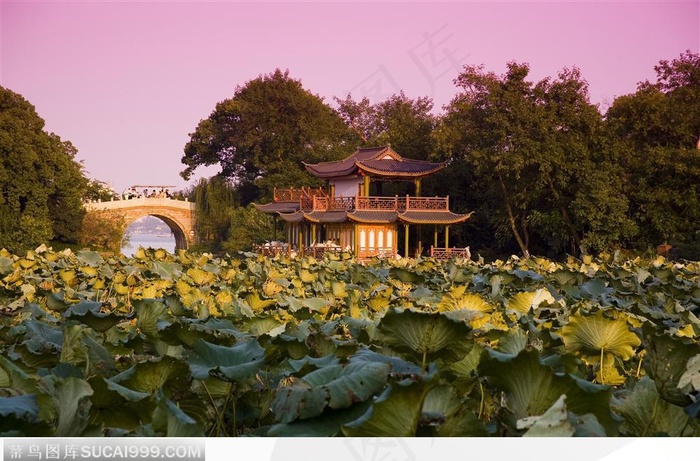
x=395 y=413
x=328 y=424
x=646 y=414
x=42 y=338
x=241 y=360
x=20 y=406
x=316 y=304
x=15 y=378
x=335 y=386
x=151 y=315
x=596 y=334
x=90 y=314
x=665 y=362
x=89 y=257
x=320 y=362
x=399 y=368
x=72 y=405
x=531 y=388
x=152 y=375
x=428 y=336
x=258 y=326
x=553 y=423
x=171 y=421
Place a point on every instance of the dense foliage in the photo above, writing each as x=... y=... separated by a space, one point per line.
x=187 y=345
x=262 y=134
x=41 y=183
x=545 y=171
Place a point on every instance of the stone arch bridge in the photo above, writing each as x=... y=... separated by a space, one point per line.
x=177 y=214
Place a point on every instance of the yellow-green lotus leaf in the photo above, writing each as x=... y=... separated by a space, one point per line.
x=121 y=289
x=470 y=302
x=119 y=277
x=200 y=276
x=258 y=304
x=160 y=253
x=591 y=334
x=26 y=263
x=523 y=301
x=338 y=289
x=307 y=276
x=67 y=276
x=149 y=291
x=89 y=271
x=182 y=287
x=98 y=284
x=224 y=298
x=140 y=254
x=271 y=288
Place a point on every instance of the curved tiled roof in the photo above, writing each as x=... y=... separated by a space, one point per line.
x=278 y=207
x=326 y=216
x=378 y=161
x=433 y=217
x=371 y=216
x=297 y=216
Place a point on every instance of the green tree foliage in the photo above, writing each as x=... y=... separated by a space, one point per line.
x=532 y=157
x=104 y=230
x=261 y=136
x=222 y=224
x=100 y=191
x=248 y=226
x=41 y=184
x=655 y=132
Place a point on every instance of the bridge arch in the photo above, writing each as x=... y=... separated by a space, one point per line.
x=177 y=214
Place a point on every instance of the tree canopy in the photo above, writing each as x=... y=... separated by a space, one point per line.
x=546 y=172
x=41 y=183
x=262 y=134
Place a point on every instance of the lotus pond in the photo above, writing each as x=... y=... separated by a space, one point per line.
x=192 y=345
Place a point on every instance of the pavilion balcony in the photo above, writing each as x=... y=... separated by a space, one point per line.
x=400 y=204
x=294 y=194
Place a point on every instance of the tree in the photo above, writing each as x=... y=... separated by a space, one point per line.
x=655 y=132
x=41 y=183
x=105 y=230
x=263 y=133
x=533 y=157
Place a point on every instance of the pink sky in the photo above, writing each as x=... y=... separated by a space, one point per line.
x=127 y=81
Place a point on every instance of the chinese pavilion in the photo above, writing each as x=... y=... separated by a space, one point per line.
x=344 y=216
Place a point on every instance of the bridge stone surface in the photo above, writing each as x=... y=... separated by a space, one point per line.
x=177 y=214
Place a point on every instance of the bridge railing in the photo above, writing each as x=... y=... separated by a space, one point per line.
x=139 y=201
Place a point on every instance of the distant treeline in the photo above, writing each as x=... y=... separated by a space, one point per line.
x=545 y=171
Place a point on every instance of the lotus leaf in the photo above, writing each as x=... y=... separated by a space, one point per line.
x=428 y=336
x=646 y=414
x=335 y=386
x=92 y=315
x=233 y=363
x=395 y=413
x=532 y=388
x=596 y=335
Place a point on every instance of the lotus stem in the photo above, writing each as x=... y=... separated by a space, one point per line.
x=481 y=402
x=639 y=367
x=602 y=371
x=425 y=355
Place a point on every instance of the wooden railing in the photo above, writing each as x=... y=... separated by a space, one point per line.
x=294 y=195
x=272 y=249
x=333 y=203
x=402 y=203
x=447 y=253
x=317 y=200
